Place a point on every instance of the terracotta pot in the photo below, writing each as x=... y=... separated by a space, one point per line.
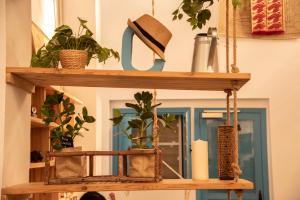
x=142 y=165
x=70 y=167
x=73 y=59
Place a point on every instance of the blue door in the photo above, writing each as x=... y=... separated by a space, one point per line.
x=252 y=150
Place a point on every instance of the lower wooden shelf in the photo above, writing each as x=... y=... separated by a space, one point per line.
x=167 y=184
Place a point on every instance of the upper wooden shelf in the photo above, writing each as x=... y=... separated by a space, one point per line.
x=167 y=184
x=26 y=78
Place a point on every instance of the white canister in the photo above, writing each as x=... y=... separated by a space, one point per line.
x=200 y=160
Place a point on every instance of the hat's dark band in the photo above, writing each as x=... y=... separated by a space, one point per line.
x=149 y=37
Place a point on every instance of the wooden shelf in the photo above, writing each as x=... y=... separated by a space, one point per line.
x=27 y=78
x=38 y=123
x=51 y=89
x=168 y=184
x=40 y=164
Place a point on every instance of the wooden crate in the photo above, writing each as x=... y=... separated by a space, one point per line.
x=122 y=176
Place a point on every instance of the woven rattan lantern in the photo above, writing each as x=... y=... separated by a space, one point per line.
x=225 y=152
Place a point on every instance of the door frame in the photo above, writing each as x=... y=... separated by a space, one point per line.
x=184 y=111
x=199 y=134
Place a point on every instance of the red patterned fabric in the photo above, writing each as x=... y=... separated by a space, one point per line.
x=267 y=16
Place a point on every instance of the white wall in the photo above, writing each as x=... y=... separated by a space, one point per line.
x=17 y=110
x=274 y=69
x=44 y=15
x=2 y=82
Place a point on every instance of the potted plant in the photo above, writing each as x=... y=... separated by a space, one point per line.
x=141 y=165
x=60 y=110
x=73 y=50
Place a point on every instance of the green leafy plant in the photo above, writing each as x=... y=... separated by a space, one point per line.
x=60 y=110
x=143 y=120
x=65 y=38
x=197 y=11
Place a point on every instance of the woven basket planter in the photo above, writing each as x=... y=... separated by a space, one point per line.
x=73 y=59
x=225 y=152
x=70 y=167
x=141 y=165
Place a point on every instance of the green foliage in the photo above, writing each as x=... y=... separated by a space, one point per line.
x=64 y=38
x=60 y=110
x=196 y=10
x=143 y=120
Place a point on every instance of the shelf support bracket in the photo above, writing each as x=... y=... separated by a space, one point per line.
x=20 y=83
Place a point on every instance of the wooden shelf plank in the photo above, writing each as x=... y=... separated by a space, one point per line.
x=40 y=164
x=130 y=79
x=38 y=123
x=168 y=184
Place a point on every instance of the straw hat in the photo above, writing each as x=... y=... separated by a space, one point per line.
x=153 y=33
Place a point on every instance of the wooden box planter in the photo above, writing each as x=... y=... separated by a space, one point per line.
x=122 y=176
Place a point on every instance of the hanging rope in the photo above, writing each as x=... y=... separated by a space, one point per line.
x=155 y=119
x=235 y=165
x=153 y=14
x=155 y=124
x=229 y=93
x=227 y=36
x=234 y=68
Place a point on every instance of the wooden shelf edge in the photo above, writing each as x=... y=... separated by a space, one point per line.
x=40 y=164
x=38 y=123
x=130 y=79
x=167 y=184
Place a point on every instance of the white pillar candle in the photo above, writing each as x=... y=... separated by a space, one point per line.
x=199 y=160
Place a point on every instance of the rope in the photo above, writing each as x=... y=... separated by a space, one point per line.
x=155 y=124
x=155 y=119
x=153 y=14
x=229 y=93
x=234 y=68
x=235 y=166
x=227 y=36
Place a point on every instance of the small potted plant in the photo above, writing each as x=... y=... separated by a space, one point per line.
x=73 y=50
x=141 y=165
x=60 y=110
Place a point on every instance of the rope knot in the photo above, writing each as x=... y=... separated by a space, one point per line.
x=236 y=171
x=234 y=69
